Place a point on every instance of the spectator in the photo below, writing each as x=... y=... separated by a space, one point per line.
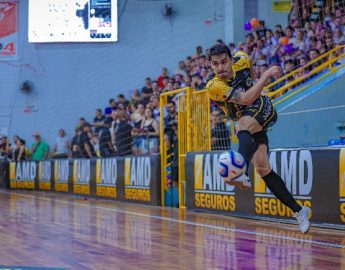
x=155 y=108
x=147 y=89
x=220 y=134
x=98 y=120
x=155 y=87
x=121 y=100
x=137 y=118
x=181 y=68
x=161 y=78
x=123 y=138
x=150 y=129
x=86 y=148
x=5 y=148
x=106 y=146
x=75 y=143
x=135 y=97
x=82 y=121
x=112 y=105
x=171 y=117
x=40 y=149
x=61 y=147
x=338 y=37
x=19 y=153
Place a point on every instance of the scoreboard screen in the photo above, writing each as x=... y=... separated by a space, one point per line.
x=72 y=20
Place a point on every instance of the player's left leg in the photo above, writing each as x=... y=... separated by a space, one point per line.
x=277 y=186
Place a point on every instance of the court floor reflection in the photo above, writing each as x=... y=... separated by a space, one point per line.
x=41 y=229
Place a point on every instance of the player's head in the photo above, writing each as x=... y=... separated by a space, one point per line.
x=220 y=60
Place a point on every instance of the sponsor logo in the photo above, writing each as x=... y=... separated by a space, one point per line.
x=138 y=179
x=81 y=176
x=296 y=170
x=106 y=177
x=210 y=190
x=44 y=175
x=23 y=174
x=61 y=175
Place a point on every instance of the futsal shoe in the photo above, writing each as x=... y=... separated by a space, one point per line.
x=241 y=181
x=303 y=217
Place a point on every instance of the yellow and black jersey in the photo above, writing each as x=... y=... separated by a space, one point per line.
x=221 y=91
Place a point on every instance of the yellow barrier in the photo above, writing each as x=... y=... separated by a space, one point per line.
x=194 y=132
x=319 y=64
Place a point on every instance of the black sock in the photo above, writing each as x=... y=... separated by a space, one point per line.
x=278 y=188
x=246 y=145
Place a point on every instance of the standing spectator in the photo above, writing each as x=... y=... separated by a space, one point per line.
x=106 y=146
x=86 y=148
x=82 y=121
x=155 y=87
x=171 y=117
x=123 y=138
x=5 y=148
x=161 y=78
x=40 y=149
x=137 y=117
x=150 y=129
x=220 y=134
x=61 y=147
x=75 y=143
x=155 y=107
x=19 y=153
x=98 y=120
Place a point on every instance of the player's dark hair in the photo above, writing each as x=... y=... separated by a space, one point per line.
x=219 y=49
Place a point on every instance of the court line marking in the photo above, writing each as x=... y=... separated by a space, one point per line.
x=196 y=224
x=313 y=110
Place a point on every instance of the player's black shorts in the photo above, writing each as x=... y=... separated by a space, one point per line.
x=262 y=110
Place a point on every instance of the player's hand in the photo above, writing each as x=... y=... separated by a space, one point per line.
x=273 y=72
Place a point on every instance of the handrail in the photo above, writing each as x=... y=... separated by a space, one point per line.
x=297 y=80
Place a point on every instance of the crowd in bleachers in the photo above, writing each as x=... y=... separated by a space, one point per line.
x=130 y=124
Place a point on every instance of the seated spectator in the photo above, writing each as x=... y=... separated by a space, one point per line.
x=181 y=68
x=112 y=105
x=61 y=147
x=150 y=129
x=122 y=102
x=106 y=146
x=5 y=148
x=19 y=153
x=86 y=148
x=75 y=143
x=338 y=37
x=40 y=149
x=98 y=120
x=135 y=97
x=220 y=134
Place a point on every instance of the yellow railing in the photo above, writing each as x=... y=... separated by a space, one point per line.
x=321 y=63
x=194 y=132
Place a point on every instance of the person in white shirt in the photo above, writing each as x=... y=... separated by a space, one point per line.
x=61 y=147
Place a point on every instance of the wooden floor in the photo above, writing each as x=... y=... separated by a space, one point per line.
x=60 y=231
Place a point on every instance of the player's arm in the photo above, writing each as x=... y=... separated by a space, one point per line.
x=249 y=96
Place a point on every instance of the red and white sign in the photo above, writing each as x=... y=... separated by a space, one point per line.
x=8 y=30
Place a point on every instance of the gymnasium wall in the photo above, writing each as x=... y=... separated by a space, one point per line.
x=73 y=79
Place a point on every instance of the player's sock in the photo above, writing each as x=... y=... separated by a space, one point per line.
x=278 y=188
x=246 y=145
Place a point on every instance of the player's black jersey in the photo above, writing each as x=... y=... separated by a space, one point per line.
x=221 y=91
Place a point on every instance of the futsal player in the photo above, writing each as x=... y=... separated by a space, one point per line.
x=232 y=89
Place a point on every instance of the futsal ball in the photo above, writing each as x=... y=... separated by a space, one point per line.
x=231 y=164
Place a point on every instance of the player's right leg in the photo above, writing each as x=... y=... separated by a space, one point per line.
x=277 y=186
